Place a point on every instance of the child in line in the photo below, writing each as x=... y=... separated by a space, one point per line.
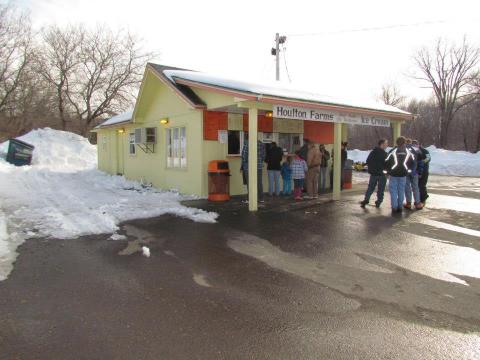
x=286 y=172
x=299 y=168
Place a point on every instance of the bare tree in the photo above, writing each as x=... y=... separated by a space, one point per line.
x=448 y=69
x=15 y=52
x=59 y=55
x=107 y=77
x=391 y=95
x=95 y=72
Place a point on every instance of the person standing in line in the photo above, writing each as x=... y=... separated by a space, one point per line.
x=398 y=165
x=411 y=186
x=274 y=164
x=376 y=165
x=286 y=172
x=260 y=160
x=423 y=167
x=299 y=168
x=344 y=161
x=314 y=159
x=303 y=152
x=323 y=168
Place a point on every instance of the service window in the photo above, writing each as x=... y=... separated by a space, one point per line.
x=290 y=142
x=176 y=140
x=235 y=142
x=131 y=143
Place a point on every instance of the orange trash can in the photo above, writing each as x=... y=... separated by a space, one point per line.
x=348 y=174
x=218 y=180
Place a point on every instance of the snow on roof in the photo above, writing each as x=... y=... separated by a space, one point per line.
x=275 y=89
x=120 y=118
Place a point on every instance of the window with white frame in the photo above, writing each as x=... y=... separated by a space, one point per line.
x=104 y=142
x=235 y=142
x=131 y=143
x=176 y=139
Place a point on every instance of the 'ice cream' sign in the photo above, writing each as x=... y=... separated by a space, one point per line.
x=298 y=113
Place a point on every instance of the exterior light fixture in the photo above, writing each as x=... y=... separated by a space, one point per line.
x=269 y=114
x=164 y=121
x=121 y=131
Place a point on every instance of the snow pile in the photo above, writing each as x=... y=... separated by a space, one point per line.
x=58 y=150
x=62 y=195
x=444 y=162
x=459 y=163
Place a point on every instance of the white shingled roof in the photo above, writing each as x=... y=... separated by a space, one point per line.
x=117 y=119
x=275 y=89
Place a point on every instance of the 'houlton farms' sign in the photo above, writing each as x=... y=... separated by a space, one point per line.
x=298 y=113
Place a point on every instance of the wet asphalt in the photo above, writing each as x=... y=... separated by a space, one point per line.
x=309 y=280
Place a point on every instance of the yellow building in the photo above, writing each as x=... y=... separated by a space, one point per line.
x=184 y=119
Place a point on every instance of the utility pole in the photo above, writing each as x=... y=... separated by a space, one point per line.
x=276 y=52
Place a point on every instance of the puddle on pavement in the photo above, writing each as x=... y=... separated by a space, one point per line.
x=401 y=286
x=456 y=203
x=142 y=237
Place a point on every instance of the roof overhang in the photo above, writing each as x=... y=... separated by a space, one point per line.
x=249 y=96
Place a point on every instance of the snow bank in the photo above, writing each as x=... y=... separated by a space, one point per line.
x=458 y=163
x=444 y=162
x=58 y=150
x=62 y=195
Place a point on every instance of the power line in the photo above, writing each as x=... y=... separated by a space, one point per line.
x=284 y=49
x=377 y=28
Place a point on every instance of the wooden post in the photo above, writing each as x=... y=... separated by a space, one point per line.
x=344 y=133
x=397 y=131
x=337 y=163
x=252 y=159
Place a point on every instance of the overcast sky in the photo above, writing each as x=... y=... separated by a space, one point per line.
x=235 y=37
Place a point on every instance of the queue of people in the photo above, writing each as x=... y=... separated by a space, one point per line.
x=307 y=169
x=406 y=166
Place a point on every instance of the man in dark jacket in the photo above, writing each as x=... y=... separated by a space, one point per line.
x=376 y=165
x=274 y=165
x=398 y=165
x=423 y=166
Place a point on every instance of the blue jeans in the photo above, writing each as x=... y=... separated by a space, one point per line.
x=381 y=181
x=322 y=184
x=411 y=186
x=273 y=182
x=287 y=186
x=396 y=186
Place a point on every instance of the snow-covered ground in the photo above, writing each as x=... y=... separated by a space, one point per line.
x=63 y=195
x=444 y=162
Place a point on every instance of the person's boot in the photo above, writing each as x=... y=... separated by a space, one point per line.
x=377 y=204
x=419 y=206
x=363 y=204
x=408 y=206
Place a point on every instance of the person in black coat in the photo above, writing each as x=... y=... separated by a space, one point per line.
x=399 y=163
x=376 y=166
x=274 y=164
x=423 y=167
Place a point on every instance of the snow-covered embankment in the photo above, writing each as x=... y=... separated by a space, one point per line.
x=63 y=195
x=444 y=162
